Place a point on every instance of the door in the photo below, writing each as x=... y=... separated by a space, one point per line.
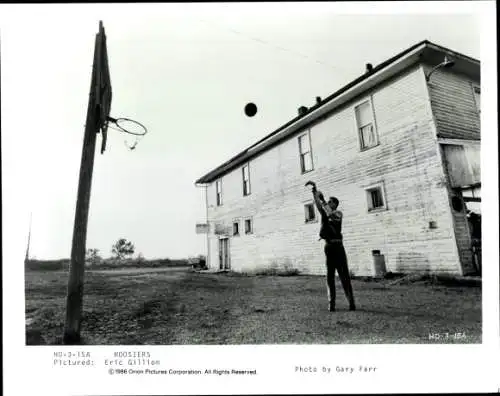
x=472 y=199
x=224 y=254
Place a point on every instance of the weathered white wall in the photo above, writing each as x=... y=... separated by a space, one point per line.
x=407 y=161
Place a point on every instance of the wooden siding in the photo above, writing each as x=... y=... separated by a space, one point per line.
x=453 y=105
x=406 y=161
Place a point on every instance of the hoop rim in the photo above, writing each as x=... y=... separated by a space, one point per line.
x=117 y=121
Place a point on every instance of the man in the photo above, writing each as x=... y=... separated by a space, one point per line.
x=474 y=220
x=336 y=259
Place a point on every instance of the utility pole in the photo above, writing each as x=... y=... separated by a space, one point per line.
x=29 y=239
x=74 y=302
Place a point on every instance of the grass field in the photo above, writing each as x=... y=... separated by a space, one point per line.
x=177 y=306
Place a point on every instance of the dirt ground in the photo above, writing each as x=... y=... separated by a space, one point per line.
x=177 y=306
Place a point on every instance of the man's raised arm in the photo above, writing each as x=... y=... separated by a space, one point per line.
x=318 y=198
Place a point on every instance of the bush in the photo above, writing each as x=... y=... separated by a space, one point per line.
x=277 y=270
x=198 y=263
x=140 y=262
x=393 y=275
x=445 y=279
x=108 y=263
x=92 y=257
x=47 y=265
x=140 y=259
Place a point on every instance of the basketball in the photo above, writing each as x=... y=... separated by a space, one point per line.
x=250 y=109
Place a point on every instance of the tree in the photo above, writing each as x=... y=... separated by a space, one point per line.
x=140 y=258
x=92 y=256
x=122 y=248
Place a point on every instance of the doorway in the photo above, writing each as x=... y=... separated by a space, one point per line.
x=472 y=200
x=224 y=254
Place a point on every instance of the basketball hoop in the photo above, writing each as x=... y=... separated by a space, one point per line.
x=129 y=126
x=126 y=125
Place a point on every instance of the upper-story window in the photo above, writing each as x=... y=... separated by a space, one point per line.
x=366 y=125
x=477 y=97
x=246 y=180
x=218 y=189
x=306 y=163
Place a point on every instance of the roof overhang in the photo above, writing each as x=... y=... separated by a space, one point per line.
x=424 y=52
x=434 y=54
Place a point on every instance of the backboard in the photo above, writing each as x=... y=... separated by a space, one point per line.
x=102 y=91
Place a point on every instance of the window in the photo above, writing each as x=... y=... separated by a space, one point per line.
x=306 y=163
x=236 y=228
x=477 y=97
x=246 y=180
x=375 y=198
x=366 y=125
x=309 y=212
x=472 y=199
x=472 y=193
x=218 y=188
x=248 y=226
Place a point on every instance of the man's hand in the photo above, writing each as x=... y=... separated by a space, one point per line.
x=311 y=183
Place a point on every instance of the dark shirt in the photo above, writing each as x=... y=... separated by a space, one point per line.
x=331 y=226
x=331 y=220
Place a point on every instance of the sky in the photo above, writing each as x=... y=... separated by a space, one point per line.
x=185 y=71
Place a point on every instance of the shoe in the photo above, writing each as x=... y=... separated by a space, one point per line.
x=352 y=307
x=331 y=307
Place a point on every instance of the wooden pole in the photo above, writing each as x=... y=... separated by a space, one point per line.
x=74 y=300
x=26 y=259
x=207 y=259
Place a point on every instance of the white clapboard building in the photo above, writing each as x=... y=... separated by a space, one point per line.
x=399 y=146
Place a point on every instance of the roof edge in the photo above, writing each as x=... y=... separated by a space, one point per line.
x=246 y=154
